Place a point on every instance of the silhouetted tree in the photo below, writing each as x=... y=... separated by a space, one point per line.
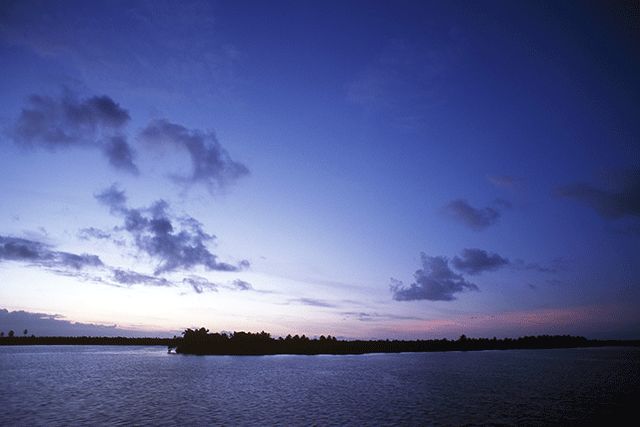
x=11 y=334
x=25 y=332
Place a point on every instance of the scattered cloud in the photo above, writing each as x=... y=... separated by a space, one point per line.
x=65 y=121
x=513 y=184
x=211 y=164
x=154 y=233
x=622 y=199
x=475 y=261
x=434 y=282
x=460 y=211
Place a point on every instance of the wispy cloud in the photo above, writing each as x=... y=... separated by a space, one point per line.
x=154 y=233
x=200 y=284
x=460 y=211
x=313 y=302
x=515 y=185
x=435 y=281
x=211 y=164
x=129 y=277
x=621 y=200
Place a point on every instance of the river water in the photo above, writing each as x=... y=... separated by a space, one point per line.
x=145 y=386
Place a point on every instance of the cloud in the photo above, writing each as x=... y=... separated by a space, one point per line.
x=89 y=232
x=120 y=154
x=66 y=121
x=37 y=253
x=621 y=200
x=312 y=302
x=241 y=285
x=200 y=284
x=211 y=164
x=477 y=219
x=114 y=198
x=434 y=282
x=515 y=185
x=475 y=261
x=503 y=203
x=132 y=278
x=374 y=317
x=520 y=264
x=155 y=234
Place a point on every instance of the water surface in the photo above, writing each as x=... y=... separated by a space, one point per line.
x=145 y=386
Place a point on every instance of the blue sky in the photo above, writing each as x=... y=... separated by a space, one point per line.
x=378 y=170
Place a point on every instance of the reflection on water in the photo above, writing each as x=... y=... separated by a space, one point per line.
x=75 y=385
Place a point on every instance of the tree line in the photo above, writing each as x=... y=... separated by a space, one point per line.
x=200 y=341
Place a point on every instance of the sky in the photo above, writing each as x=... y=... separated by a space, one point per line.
x=365 y=170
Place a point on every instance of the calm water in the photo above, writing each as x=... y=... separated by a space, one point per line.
x=145 y=386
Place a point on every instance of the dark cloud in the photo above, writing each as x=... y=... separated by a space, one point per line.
x=37 y=253
x=621 y=200
x=475 y=261
x=155 y=234
x=434 y=282
x=516 y=185
x=67 y=121
x=211 y=164
x=477 y=219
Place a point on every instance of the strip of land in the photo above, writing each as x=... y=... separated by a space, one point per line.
x=201 y=342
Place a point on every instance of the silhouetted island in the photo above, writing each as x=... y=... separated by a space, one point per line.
x=201 y=342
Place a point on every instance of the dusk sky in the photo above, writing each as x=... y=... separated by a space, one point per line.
x=378 y=169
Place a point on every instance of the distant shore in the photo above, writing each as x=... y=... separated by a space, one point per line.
x=85 y=341
x=200 y=342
